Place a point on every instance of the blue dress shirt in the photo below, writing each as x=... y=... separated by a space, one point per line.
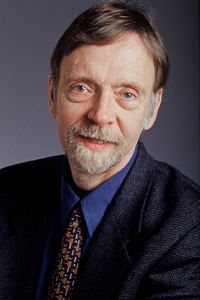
x=93 y=204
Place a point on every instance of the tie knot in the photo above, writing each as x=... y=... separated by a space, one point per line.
x=75 y=221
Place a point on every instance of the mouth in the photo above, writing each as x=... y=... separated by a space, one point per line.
x=95 y=144
x=98 y=141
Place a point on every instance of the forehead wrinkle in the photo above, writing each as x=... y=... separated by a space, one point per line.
x=80 y=67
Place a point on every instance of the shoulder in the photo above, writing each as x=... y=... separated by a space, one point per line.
x=176 y=196
x=165 y=177
x=171 y=199
x=30 y=177
x=40 y=166
x=174 y=183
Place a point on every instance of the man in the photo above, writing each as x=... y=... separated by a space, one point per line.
x=136 y=221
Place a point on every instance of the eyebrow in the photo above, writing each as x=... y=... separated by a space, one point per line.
x=75 y=79
x=132 y=84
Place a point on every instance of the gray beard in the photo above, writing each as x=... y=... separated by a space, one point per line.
x=87 y=160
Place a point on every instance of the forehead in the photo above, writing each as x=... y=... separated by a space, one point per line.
x=125 y=58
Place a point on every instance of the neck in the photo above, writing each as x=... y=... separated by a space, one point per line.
x=86 y=181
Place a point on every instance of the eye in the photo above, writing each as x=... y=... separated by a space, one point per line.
x=80 y=88
x=128 y=95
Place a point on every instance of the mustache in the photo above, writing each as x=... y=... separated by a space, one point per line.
x=95 y=132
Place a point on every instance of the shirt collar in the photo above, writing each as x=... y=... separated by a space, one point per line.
x=95 y=203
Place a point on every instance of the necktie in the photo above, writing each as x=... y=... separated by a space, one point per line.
x=66 y=268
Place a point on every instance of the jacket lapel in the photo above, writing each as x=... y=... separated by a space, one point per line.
x=108 y=255
x=97 y=278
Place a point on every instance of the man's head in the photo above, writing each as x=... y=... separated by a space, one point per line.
x=104 y=23
x=108 y=72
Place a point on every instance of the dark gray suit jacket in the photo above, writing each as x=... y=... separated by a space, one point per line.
x=146 y=247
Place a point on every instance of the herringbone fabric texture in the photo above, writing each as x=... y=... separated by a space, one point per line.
x=66 y=268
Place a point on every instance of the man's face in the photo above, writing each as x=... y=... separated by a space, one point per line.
x=102 y=102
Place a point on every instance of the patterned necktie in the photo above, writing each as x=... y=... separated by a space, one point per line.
x=66 y=268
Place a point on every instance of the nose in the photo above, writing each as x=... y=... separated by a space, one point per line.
x=102 y=111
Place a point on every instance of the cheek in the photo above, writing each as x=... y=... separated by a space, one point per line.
x=131 y=126
x=69 y=114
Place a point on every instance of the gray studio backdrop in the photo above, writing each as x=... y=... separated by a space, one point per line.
x=29 y=30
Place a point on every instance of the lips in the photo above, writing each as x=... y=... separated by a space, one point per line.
x=94 y=144
x=98 y=141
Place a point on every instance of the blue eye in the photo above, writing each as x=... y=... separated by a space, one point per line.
x=128 y=95
x=80 y=88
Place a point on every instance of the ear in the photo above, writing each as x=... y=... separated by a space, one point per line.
x=157 y=105
x=52 y=104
